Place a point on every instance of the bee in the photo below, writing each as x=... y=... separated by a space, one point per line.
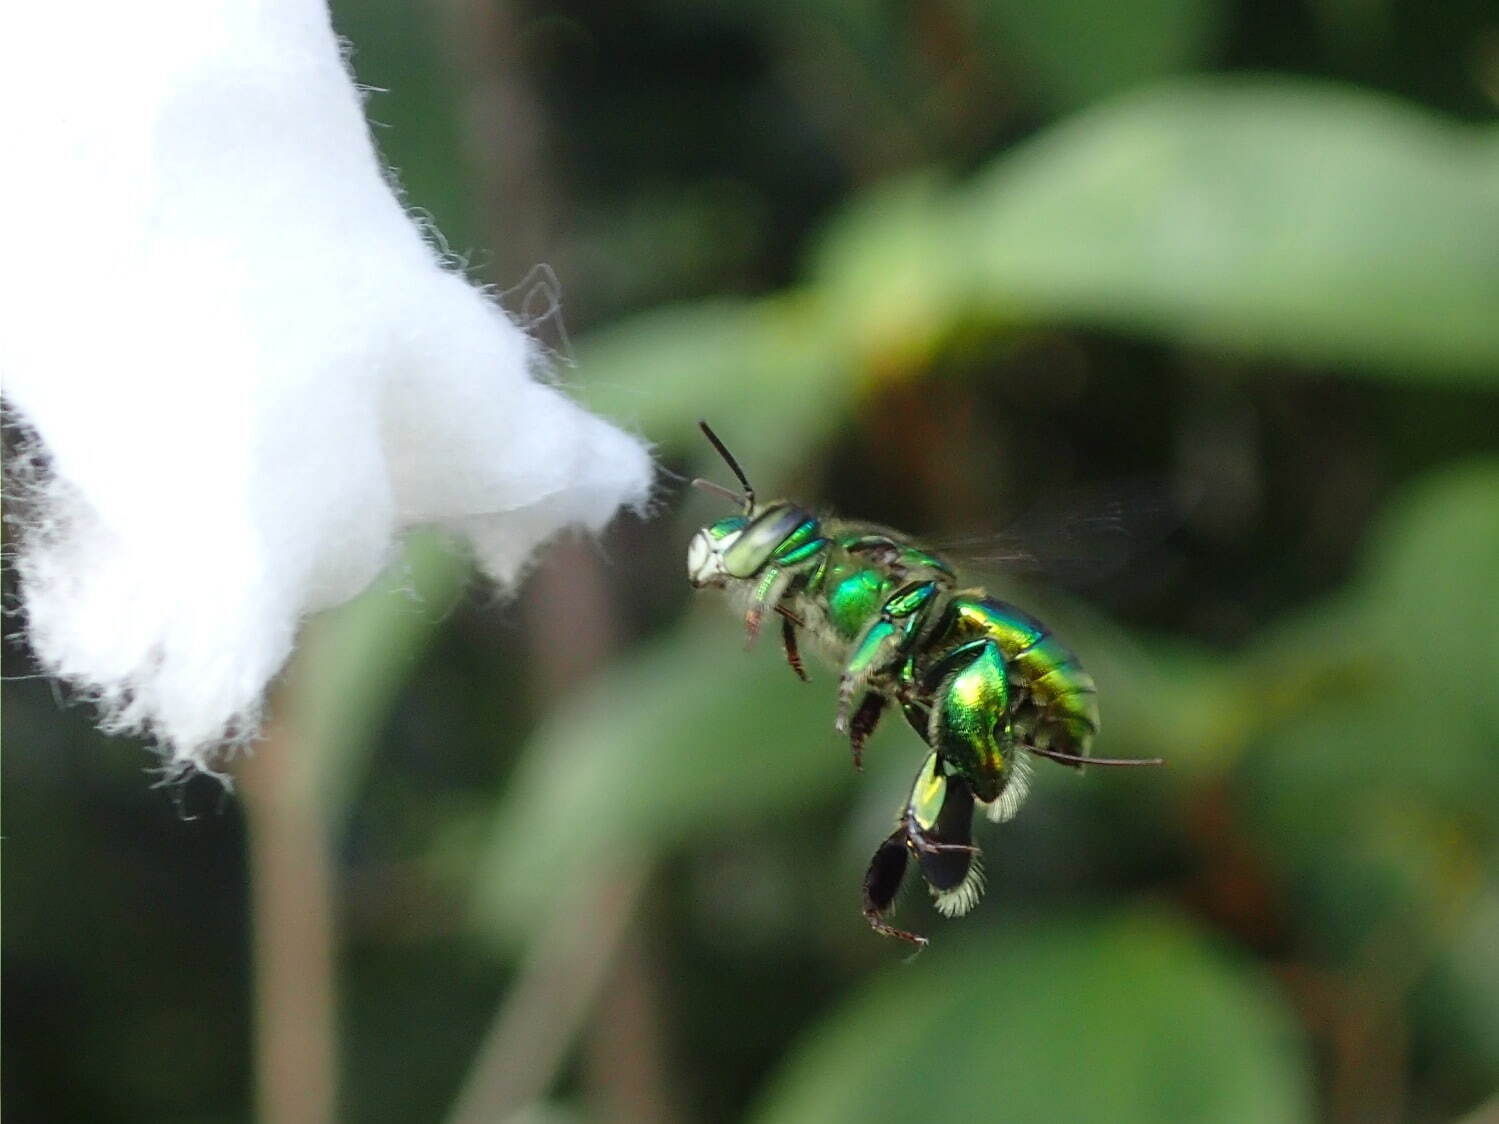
x=984 y=684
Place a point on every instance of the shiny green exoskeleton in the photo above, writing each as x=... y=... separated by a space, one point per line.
x=983 y=683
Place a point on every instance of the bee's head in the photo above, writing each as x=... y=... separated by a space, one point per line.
x=741 y=545
x=705 y=552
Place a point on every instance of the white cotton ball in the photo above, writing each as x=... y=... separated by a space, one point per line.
x=247 y=370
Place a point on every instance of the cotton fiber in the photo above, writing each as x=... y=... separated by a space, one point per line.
x=246 y=369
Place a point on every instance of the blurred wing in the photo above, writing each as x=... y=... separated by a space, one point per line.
x=1081 y=535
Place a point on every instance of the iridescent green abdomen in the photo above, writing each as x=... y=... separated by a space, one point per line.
x=1055 y=703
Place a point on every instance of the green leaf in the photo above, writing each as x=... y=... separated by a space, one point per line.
x=761 y=372
x=1265 y=216
x=1262 y=217
x=1376 y=792
x=1461 y=1004
x=689 y=738
x=1431 y=589
x=1133 y=1018
x=1078 y=50
x=884 y=279
x=1414 y=707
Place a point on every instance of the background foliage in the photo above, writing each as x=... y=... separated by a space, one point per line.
x=929 y=264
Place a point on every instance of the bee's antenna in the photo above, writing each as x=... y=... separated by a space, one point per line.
x=1079 y=759
x=748 y=498
x=718 y=490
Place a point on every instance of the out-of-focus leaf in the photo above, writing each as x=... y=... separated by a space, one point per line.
x=1433 y=590
x=1078 y=50
x=1273 y=217
x=1278 y=218
x=687 y=739
x=1267 y=217
x=1129 y=1019
x=1376 y=795
x=1462 y=1005
x=761 y=372
x=889 y=280
x=1420 y=633
x=1370 y=822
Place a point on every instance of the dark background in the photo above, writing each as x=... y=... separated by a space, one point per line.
x=937 y=265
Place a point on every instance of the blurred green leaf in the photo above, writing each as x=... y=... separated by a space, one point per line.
x=1078 y=50
x=1431 y=589
x=1463 y=1005
x=1130 y=1019
x=1419 y=631
x=689 y=738
x=1174 y=700
x=1273 y=217
x=1266 y=217
x=1376 y=794
x=1370 y=823
x=761 y=372
x=884 y=276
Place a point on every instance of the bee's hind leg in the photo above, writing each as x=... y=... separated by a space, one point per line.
x=881 y=883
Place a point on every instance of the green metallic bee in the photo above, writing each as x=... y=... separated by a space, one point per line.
x=983 y=683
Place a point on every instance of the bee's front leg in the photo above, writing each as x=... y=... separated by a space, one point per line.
x=769 y=590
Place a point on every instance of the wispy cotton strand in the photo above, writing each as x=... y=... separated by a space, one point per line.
x=246 y=368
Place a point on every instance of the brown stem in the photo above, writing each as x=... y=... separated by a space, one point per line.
x=624 y=1063
x=544 y=1009
x=567 y=604
x=290 y=882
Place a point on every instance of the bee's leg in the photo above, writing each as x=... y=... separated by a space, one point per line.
x=915 y=701
x=940 y=832
x=790 y=566
x=926 y=846
x=875 y=651
x=1078 y=760
x=865 y=719
x=768 y=592
x=788 y=641
x=881 y=883
x=969 y=722
x=883 y=645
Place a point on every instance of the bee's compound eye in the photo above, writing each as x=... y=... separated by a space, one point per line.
x=699 y=559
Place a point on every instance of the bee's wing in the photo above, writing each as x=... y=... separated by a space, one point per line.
x=1081 y=535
